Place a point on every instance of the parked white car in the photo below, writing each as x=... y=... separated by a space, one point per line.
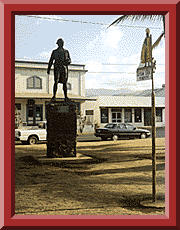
x=31 y=134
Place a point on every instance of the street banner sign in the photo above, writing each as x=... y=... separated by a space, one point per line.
x=144 y=73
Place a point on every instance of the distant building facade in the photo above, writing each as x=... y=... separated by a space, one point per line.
x=135 y=110
x=34 y=89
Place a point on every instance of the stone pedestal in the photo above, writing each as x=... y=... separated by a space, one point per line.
x=61 y=129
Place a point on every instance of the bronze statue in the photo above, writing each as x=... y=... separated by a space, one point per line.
x=146 y=49
x=61 y=59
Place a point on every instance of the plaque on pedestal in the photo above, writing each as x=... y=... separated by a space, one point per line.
x=61 y=129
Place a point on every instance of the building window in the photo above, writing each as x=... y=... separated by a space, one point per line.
x=34 y=114
x=158 y=115
x=18 y=119
x=78 y=108
x=89 y=117
x=34 y=82
x=137 y=115
x=127 y=115
x=104 y=116
x=116 y=115
x=18 y=106
x=147 y=116
x=69 y=87
x=89 y=112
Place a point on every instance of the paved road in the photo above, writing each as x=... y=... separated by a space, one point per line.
x=160 y=132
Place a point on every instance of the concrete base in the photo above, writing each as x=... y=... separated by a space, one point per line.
x=61 y=129
x=80 y=158
x=151 y=204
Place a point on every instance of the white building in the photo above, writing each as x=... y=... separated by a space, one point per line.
x=135 y=110
x=34 y=88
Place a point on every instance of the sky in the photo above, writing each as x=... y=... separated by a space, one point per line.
x=110 y=54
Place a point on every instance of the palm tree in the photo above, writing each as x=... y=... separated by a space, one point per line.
x=142 y=18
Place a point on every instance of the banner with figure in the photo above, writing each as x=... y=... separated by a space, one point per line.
x=146 y=54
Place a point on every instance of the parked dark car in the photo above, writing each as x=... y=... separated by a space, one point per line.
x=121 y=131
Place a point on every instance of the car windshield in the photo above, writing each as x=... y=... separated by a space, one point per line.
x=122 y=126
x=110 y=126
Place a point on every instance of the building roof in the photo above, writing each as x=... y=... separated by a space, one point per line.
x=44 y=65
x=129 y=101
x=160 y=92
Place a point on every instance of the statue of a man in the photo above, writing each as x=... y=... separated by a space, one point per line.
x=146 y=53
x=61 y=59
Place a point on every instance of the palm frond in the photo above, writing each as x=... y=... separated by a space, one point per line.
x=120 y=19
x=136 y=18
x=158 y=41
x=164 y=23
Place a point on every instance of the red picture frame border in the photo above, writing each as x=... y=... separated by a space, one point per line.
x=11 y=220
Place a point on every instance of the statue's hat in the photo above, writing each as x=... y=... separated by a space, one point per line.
x=60 y=41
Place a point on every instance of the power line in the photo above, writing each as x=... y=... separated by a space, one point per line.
x=116 y=72
x=85 y=22
x=113 y=72
x=123 y=64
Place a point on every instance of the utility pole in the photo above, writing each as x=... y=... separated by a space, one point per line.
x=153 y=123
x=145 y=72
